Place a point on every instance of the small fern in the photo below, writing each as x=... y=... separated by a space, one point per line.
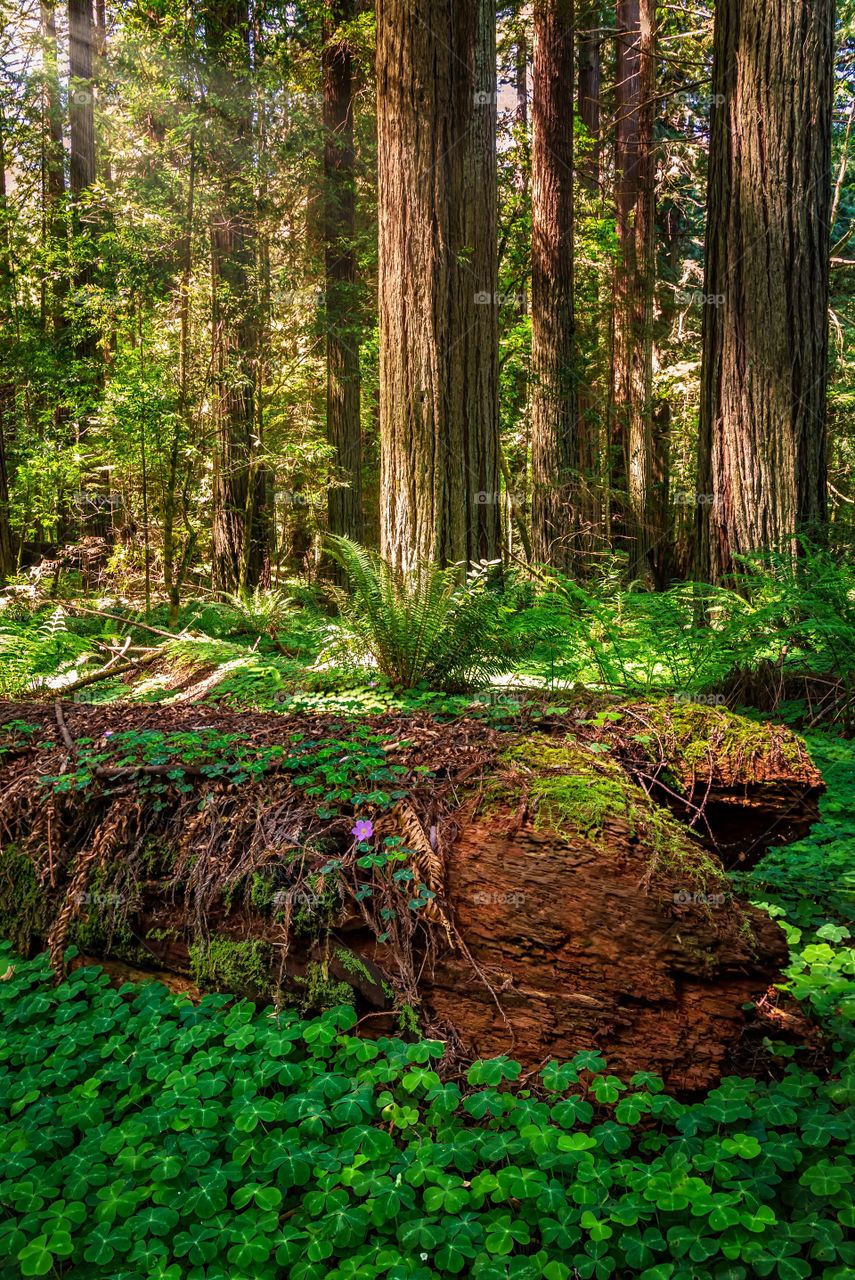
x=264 y=611
x=423 y=626
x=33 y=652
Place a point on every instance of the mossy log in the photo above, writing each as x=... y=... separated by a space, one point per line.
x=522 y=892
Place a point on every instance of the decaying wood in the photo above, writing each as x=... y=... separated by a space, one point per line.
x=551 y=931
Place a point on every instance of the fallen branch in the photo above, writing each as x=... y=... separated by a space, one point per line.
x=113 y=668
x=129 y=622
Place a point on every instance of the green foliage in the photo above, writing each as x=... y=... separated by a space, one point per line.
x=810 y=888
x=799 y=616
x=423 y=626
x=263 y=611
x=147 y=1137
x=37 y=648
x=333 y=772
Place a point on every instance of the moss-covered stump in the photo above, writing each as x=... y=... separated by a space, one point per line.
x=522 y=892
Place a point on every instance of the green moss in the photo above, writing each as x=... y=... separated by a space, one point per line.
x=95 y=936
x=101 y=926
x=262 y=891
x=156 y=859
x=689 y=730
x=318 y=991
x=575 y=792
x=317 y=906
x=352 y=964
x=409 y=1021
x=240 y=965
x=25 y=906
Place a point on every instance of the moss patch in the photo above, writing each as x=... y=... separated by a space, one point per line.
x=95 y=936
x=574 y=792
x=691 y=733
x=318 y=991
x=25 y=906
x=231 y=964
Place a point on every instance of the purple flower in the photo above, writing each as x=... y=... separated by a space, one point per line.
x=362 y=830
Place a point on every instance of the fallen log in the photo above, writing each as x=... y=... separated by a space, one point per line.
x=512 y=892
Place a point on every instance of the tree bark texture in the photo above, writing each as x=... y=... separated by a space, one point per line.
x=436 y=84
x=7 y=388
x=762 y=472
x=555 y=452
x=588 y=92
x=81 y=107
x=635 y=277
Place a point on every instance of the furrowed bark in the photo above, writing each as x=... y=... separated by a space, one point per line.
x=555 y=452
x=438 y=415
x=632 y=439
x=762 y=454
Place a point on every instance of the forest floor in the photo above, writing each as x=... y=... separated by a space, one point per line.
x=555 y=1169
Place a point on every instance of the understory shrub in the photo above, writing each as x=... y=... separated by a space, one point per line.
x=425 y=626
x=798 y=616
x=36 y=647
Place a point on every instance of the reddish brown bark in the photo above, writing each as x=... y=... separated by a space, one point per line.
x=632 y=439
x=344 y=502
x=762 y=454
x=555 y=449
x=437 y=246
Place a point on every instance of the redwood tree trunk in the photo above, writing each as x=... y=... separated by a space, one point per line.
x=762 y=473
x=7 y=388
x=632 y=440
x=480 y=336
x=81 y=113
x=591 y=393
x=344 y=502
x=53 y=173
x=240 y=535
x=588 y=96
x=437 y=244
x=81 y=108
x=554 y=427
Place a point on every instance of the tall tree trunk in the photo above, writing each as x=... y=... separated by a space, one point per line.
x=183 y=426
x=81 y=114
x=555 y=454
x=588 y=305
x=7 y=388
x=632 y=439
x=762 y=472
x=240 y=534
x=588 y=97
x=344 y=428
x=81 y=109
x=53 y=175
x=437 y=235
x=480 y=336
